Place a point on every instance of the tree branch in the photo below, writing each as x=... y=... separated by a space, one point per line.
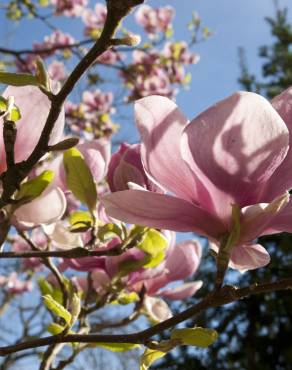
x=77 y=252
x=227 y=294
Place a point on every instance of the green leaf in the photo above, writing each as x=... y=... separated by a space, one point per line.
x=57 y=308
x=79 y=178
x=118 y=347
x=18 y=79
x=42 y=74
x=45 y=287
x=34 y=188
x=56 y=329
x=127 y=298
x=14 y=112
x=80 y=221
x=150 y=356
x=75 y=308
x=108 y=231
x=153 y=261
x=199 y=337
x=153 y=242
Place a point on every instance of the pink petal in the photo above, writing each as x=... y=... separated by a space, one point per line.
x=34 y=107
x=181 y=292
x=97 y=155
x=234 y=147
x=161 y=125
x=249 y=257
x=161 y=211
x=157 y=309
x=282 y=222
x=257 y=218
x=183 y=261
x=47 y=208
x=281 y=179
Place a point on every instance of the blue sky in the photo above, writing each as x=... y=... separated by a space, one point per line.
x=234 y=23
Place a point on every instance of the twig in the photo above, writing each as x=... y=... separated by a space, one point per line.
x=224 y=296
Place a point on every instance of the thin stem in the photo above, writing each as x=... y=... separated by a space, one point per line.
x=223 y=296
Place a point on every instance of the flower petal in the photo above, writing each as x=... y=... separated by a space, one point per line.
x=281 y=179
x=257 y=218
x=34 y=108
x=249 y=257
x=282 y=222
x=161 y=211
x=161 y=125
x=182 y=291
x=234 y=147
x=183 y=260
x=45 y=209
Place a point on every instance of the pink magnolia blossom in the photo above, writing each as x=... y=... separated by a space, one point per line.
x=70 y=8
x=13 y=285
x=110 y=57
x=234 y=153
x=55 y=40
x=57 y=71
x=182 y=261
x=98 y=102
x=94 y=19
x=154 y=20
x=126 y=167
x=179 y=52
x=34 y=107
x=96 y=155
x=46 y=209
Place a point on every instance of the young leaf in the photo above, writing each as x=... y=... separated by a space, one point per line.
x=127 y=298
x=153 y=242
x=108 y=231
x=79 y=178
x=80 y=221
x=33 y=188
x=55 y=329
x=57 y=308
x=14 y=114
x=199 y=337
x=75 y=308
x=118 y=347
x=45 y=286
x=18 y=79
x=150 y=356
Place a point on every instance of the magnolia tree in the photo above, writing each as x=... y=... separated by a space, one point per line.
x=84 y=232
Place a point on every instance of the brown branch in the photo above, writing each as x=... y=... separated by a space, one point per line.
x=227 y=294
x=77 y=252
x=42 y=51
x=11 y=179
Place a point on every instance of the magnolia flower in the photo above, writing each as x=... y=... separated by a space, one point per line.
x=234 y=155
x=96 y=155
x=13 y=285
x=34 y=107
x=181 y=262
x=126 y=167
x=57 y=71
x=70 y=8
x=154 y=20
